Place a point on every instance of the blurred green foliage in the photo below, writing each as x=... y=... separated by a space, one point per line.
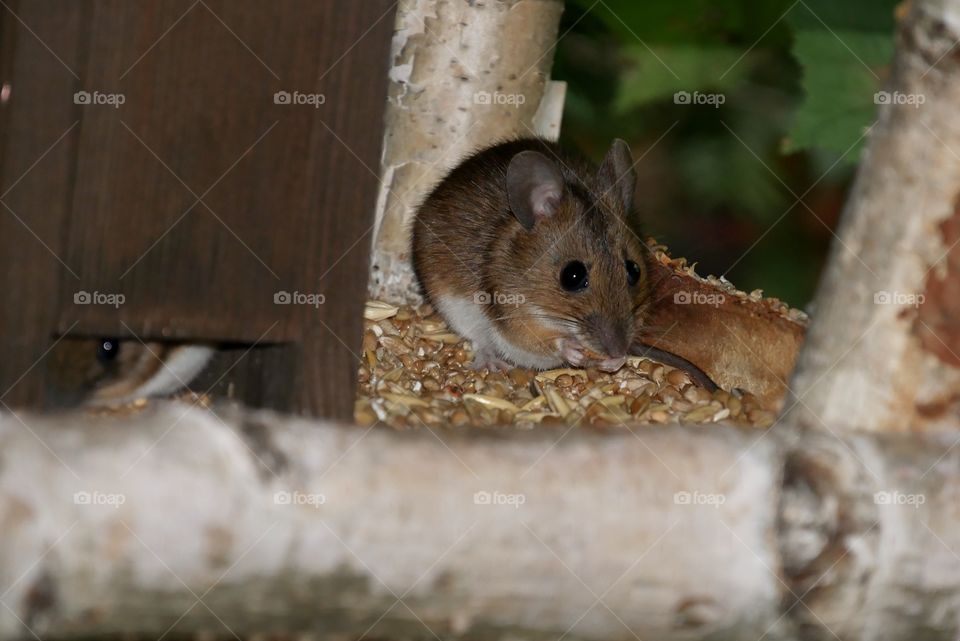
x=720 y=183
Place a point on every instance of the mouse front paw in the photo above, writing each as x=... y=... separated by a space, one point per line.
x=572 y=352
x=487 y=358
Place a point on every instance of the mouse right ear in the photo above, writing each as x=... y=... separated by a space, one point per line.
x=617 y=175
x=534 y=187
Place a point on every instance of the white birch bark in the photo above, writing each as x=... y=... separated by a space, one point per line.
x=176 y=521
x=582 y=535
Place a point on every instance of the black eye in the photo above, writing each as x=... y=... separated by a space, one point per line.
x=573 y=277
x=633 y=273
x=107 y=350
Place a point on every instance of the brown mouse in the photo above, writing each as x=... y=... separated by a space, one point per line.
x=108 y=371
x=534 y=254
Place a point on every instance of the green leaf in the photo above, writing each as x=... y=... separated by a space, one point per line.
x=658 y=73
x=843 y=49
x=840 y=77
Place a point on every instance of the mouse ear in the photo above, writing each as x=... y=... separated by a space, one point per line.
x=534 y=187
x=616 y=174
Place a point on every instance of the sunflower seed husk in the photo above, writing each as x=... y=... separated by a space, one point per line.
x=376 y=310
x=491 y=401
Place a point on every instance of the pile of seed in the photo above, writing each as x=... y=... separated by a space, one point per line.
x=416 y=372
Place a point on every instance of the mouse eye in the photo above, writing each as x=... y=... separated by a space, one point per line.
x=633 y=273
x=107 y=350
x=573 y=276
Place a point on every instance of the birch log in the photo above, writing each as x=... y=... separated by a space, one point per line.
x=883 y=352
x=275 y=524
x=177 y=521
x=463 y=75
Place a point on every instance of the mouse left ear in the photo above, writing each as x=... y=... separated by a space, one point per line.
x=616 y=174
x=534 y=187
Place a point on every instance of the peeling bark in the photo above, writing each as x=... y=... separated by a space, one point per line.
x=464 y=75
x=937 y=321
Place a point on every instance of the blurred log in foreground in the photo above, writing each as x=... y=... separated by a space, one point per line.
x=175 y=521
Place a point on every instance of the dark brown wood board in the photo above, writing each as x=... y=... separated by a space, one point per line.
x=38 y=132
x=205 y=193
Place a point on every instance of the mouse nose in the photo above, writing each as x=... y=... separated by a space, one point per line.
x=612 y=338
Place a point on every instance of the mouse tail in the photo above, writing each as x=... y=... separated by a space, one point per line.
x=668 y=358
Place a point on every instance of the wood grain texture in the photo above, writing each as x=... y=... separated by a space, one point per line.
x=39 y=130
x=200 y=197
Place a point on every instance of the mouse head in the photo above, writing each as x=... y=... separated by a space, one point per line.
x=99 y=369
x=575 y=256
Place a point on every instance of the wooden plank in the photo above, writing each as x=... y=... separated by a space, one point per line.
x=259 y=376
x=286 y=191
x=331 y=344
x=40 y=50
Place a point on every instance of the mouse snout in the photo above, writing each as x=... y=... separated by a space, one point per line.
x=611 y=336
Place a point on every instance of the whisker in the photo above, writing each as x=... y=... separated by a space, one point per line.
x=565 y=320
